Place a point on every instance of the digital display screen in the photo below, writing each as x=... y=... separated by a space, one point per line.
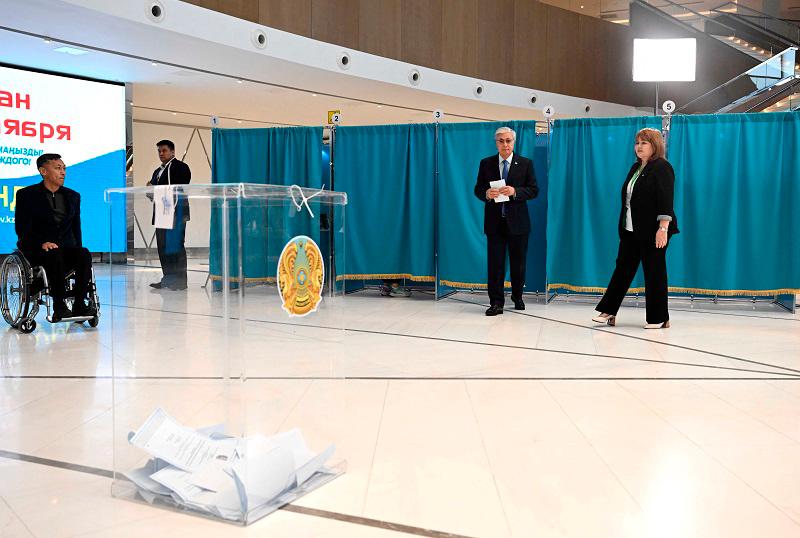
x=84 y=122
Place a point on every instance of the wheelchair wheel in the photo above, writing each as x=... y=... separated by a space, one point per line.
x=27 y=326
x=13 y=291
x=94 y=321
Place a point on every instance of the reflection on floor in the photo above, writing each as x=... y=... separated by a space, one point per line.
x=534 y=423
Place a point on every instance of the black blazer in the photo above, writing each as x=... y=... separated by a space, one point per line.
x=34 y=222
x=176 y=173
x=522 y=177
x=652 y=197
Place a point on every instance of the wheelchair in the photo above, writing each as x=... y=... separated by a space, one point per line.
x=24 y=288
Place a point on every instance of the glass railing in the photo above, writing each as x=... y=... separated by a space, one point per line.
x=788 y=103
x=753 y=90
x=685 y=15
x=767 y=23
x=680 y=13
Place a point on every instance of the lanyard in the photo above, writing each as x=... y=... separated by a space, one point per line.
x=634 y=178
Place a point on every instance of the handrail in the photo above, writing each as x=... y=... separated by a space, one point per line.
x=748 y=8
x=741 y=13
x=690 y=10
x=747 y=73
x=771 y=97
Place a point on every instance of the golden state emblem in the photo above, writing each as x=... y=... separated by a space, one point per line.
x=301 y=276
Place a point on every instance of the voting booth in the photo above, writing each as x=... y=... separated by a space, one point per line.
x=250 y=423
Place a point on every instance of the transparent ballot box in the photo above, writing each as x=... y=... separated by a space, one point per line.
x=227 y=339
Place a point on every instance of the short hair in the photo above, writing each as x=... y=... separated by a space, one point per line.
x=653 y=136
x=501 y=130
x=46 y=158
x=169 y=143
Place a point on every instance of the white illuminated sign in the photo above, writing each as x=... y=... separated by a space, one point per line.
x=664 y=60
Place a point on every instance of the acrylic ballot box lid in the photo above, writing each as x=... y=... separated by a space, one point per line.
x=243 y=190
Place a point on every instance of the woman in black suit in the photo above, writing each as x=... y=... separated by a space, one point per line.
x=646 y=224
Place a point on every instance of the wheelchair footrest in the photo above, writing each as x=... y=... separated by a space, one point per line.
x=73 y=319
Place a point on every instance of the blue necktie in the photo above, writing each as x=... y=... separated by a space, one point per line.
x=504 y=176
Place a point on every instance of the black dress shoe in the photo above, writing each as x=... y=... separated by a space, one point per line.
x=156 y=285
x=494 y=310
x=519 y=304
x=60 y=311
x=81 y=309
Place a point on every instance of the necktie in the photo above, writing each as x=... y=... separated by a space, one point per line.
x=504 y=176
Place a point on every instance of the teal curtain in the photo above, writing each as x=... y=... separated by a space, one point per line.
x=737 y=193
x=275 y=156
x=462 y=244
x=387 y=173
x=589 y=159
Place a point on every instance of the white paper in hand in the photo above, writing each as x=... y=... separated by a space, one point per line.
x=499 y=184
x=164 y=198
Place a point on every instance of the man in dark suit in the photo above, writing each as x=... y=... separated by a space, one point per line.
x=171 y=249
x=507 y=225
x=48 y=226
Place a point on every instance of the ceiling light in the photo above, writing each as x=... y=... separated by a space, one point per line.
x=240 y=81
x=71 y=51
x=174 y=113
x=313 y=95
x=154 y=64
x=380 y=106
x=47 y=40
x=238 y=121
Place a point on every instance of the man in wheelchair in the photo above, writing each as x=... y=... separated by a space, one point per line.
x=48 y=225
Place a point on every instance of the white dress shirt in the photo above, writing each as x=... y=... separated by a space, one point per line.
x=500 y=163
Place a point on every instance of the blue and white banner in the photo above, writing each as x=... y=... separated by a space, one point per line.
x=84 y=122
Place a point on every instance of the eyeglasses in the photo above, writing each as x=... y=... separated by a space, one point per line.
x=505 y=140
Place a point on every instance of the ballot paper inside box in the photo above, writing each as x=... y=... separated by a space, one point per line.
x=212 y=474
x=250 y=339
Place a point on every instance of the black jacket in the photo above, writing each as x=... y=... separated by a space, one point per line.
x=176 y=173
x=652 y=197
x=520 y=176
x=34 y=222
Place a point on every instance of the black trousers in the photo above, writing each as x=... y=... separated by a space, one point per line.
x=60 y=261
x=172 y=254
x=497 y=246
x=654 y=262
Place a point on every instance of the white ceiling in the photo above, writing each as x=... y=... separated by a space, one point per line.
x=162 y=93
x=195 y=76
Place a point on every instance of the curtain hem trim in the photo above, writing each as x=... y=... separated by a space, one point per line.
x=698 y=291
x=386 y=276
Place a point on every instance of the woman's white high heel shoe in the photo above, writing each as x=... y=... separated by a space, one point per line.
x=664 y=325
x=606 y=318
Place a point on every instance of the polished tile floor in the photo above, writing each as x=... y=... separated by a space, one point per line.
x=535 y=423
